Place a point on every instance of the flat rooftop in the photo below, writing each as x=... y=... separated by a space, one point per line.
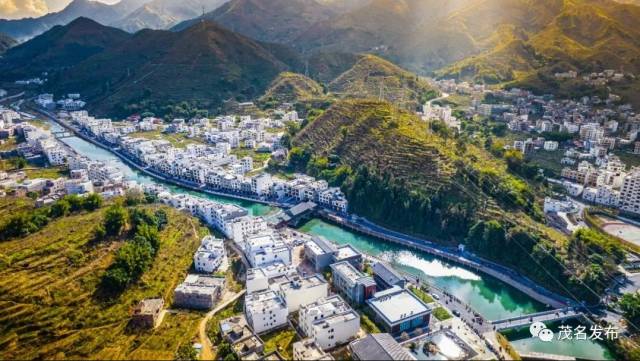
x=346 y=251
x=303 y=283
x=347 y=270
x=396 y=304
x=266 y=300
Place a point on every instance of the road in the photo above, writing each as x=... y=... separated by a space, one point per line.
x=207 y=347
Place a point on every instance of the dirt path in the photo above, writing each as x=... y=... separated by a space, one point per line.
x=207 y=347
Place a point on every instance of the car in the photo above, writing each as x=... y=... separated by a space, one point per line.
x=436 y=297
x=456 y=313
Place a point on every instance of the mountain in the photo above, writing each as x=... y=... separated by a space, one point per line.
x=163 y=14
x=278 y=21
x=153 y=70
x=6 y=42
x=374 y=77
x=291 y=87
x=586 y=36
x=376 y=26
x=60 y=47
x=24 y=29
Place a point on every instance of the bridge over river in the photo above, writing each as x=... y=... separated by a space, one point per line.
x=560 y=314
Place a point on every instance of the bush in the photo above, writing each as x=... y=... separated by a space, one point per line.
x=92 y=202
x=186 y=352
x=115 y=220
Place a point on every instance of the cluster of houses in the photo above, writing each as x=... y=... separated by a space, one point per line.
x=444 y=113
x=278 y=287
x=595 y=78
x=71 y=102
x=40 y=146
x=212 y=165
x=598 y=127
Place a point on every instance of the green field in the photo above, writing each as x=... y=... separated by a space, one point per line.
x=48 y=280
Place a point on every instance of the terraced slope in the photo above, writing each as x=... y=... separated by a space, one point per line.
x=47 y=283
x=374 y=77
x=291 y=88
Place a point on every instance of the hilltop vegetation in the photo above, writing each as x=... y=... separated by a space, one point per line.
x=374 y=77
x=585 y=36
x=423 y=179
x=51 y=306
x=203 y=65
x=291 y=88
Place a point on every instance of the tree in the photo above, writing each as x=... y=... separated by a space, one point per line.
x=630 y=305
x=115 y=220
x=92 y=202
x=186 y=352
x=75 y=201
x=134 y=197
x=99 y=233
x=19 y=162
x=60 y=208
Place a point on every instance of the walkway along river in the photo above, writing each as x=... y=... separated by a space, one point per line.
x=488 y=296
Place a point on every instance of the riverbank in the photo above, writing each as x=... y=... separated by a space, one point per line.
x=504 y=274
x=473 y=262
x=155 y=175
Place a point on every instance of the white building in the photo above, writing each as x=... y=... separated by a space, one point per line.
x=265 y=249
x=630 y=192
x=550 y=145
x=330 y=322
x=265 y=311
x=260 y=279
x=299 y=291
x=209 y=256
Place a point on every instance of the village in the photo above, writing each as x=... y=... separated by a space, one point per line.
x=332 y=296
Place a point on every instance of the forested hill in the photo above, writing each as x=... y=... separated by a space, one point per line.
x=423 y=179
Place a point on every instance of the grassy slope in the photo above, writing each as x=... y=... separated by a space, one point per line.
x=395 y=142
x=372 y=75
x=581 y=35
x=291 y=87
x=47 y=286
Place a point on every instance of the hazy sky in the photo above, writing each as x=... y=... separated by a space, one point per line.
x=16 y=9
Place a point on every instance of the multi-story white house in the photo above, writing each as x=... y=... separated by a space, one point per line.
x=630 y=192
x=265 y=249
x=329 y=321
x=299 y=291
x=209 y=256
x=265 y=311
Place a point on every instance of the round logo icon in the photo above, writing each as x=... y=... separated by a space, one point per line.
x=536 y=327
x=545 y=335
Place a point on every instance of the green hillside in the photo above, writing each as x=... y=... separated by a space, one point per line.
x=423 y=179
x=374 y=77
x=291 y=87
x=60 y=47
x=586 y=36
x=50 y=307
x=201 y=66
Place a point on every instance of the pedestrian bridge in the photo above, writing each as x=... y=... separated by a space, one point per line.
x=545 y=316
x=62 y=134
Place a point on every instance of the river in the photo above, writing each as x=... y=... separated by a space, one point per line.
x=488 y=296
